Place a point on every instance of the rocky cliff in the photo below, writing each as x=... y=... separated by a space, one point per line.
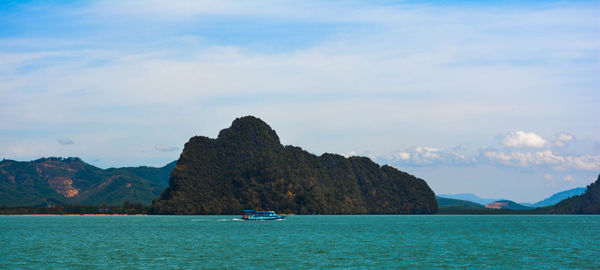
x=246 y=167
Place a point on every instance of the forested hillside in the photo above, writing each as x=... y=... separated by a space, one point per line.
x=49 y=181
x=246 y=167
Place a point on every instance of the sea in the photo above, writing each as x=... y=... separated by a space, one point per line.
x=306 y=242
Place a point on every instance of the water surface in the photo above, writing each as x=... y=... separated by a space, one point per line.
x=169 y=242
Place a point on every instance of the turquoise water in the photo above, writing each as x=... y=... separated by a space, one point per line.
x=168 y=242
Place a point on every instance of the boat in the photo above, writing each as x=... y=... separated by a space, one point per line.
x=261 y=215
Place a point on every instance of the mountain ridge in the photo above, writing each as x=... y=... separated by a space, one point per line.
x=557 y=197
x=49 y=181
x=469 y=197
x=449 y=202
x=586 y=203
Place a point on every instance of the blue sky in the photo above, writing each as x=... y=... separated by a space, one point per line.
x=495 y=99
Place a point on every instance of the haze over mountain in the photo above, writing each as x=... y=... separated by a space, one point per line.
x=447 y=202
x=556 y=198
x=49 y=181
x=469 y=197
x=246 y=167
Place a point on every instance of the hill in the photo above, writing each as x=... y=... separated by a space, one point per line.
x=447 y=202
x=507 y=204
x=586 y=203
x=50 y=181
x=469 y=197
x=556 y=198
x=246 y=167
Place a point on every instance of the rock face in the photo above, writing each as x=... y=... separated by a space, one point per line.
x=49 y=181
x=586 y=203
x=246 y=167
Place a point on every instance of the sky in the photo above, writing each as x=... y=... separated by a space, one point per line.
x=496 y=99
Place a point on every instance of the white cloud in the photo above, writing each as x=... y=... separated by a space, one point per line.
x=585 y=162
x=548 y=177
x=521 y=139
x=544 y=158
x=351 y=154
x=403 y=155
x=418 y=156
x=368 y=154
x=569 y=179
x=427 y=156
x=165 y=148
x=562 y=139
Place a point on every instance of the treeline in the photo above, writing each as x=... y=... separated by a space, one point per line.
x=458 y=210
x=127 y=208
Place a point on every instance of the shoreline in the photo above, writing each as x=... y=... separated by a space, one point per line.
x=72 y=215
x=437 y=214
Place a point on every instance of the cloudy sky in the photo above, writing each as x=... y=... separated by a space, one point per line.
x=500 y=100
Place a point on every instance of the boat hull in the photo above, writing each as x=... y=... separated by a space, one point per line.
x=263 y=218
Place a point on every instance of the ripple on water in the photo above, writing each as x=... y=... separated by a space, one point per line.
x=301 y=241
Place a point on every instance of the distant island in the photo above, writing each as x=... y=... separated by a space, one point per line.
x=552 y=200
x=586 y=203
x=247 y=167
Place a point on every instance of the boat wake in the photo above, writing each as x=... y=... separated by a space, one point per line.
x=198 y=220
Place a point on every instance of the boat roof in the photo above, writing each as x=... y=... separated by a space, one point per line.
x=259 y=212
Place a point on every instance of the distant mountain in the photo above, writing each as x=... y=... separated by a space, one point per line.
x=49 y=181
x=469 y=197
x=246 y=167
x=507 y=204
x=586 y=203
x=447 y=202
x=556 y=198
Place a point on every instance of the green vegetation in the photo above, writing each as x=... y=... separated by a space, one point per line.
x=586 y=203
x=246 y=167
x=449 y=206
x=50 y=181
x=447 y=202
x=126 y=209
